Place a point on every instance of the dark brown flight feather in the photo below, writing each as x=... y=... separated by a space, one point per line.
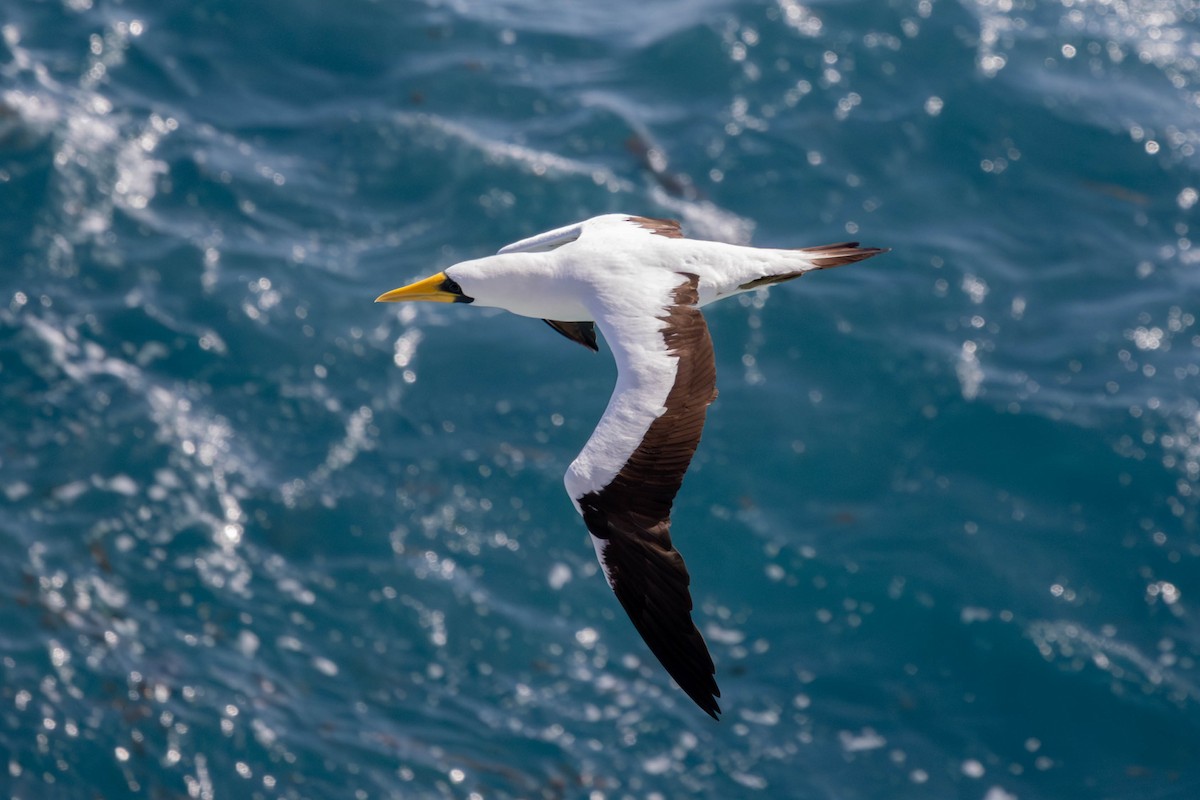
x=632 y=513
x=663 y=227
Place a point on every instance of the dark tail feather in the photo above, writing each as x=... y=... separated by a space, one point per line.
x=834 y=255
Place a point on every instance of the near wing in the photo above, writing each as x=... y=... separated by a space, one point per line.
x=629 y=515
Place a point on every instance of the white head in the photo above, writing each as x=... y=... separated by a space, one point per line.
x=529 y=284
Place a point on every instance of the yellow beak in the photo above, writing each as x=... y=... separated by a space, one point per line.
x=434 y=289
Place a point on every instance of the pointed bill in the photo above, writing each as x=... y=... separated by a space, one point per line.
x=434 y=289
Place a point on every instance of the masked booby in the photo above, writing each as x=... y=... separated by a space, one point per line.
x=642 y=283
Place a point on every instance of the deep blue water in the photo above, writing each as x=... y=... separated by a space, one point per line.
x=262 y=538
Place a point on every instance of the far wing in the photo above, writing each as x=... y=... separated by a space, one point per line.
x=625 y=479
x=546 y=241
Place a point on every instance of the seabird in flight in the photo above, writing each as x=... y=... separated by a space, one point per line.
x=642 y=283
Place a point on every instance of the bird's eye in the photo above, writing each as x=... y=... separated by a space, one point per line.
x=450 y=285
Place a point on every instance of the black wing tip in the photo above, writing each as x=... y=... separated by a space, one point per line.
x=710 y=707
x=693 y=679
x=703 y=691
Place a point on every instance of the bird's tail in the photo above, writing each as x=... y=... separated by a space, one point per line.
x=834 y=255
x=820 y=257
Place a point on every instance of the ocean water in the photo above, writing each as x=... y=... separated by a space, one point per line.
x=264 y=539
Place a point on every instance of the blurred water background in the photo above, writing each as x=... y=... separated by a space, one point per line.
x=263 y=539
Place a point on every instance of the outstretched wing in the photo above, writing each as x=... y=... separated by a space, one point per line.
x=625 y=479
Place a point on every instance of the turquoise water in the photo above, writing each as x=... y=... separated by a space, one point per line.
x=262 y=538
